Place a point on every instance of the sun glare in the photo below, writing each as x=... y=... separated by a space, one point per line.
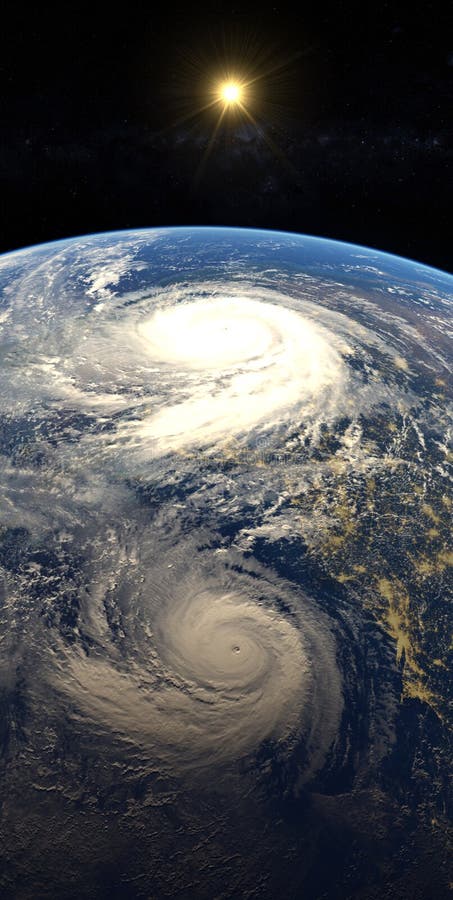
x=230 y=92
x=233 y=100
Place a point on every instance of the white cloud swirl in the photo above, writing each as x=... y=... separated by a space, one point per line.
x=212 y=664
x=247 y=361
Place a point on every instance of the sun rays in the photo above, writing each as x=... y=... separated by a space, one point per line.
x=236 y=85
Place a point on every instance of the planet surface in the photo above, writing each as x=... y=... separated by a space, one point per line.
x=224 y=554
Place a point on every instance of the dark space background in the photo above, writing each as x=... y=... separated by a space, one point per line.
x=354 y=102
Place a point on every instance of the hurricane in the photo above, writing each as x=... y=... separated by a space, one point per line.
x=254 y=361
x=210 y=664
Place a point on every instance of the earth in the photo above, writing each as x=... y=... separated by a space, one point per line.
x=224 y=548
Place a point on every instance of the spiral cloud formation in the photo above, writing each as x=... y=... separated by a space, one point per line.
x=191 y=365
x=211 y=666
x=249 y=360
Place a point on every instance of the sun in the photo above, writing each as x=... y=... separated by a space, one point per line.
x=231 y=92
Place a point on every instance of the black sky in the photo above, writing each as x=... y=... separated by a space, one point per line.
x=356 y=122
